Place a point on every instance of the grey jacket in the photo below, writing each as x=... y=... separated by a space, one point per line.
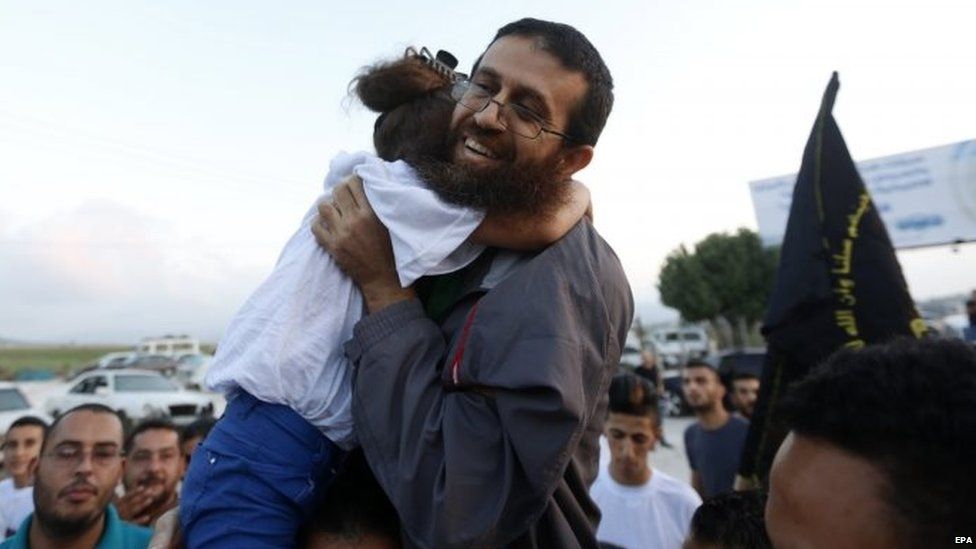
x=483 y=430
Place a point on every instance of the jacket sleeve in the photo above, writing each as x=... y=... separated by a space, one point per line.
x=474 y=463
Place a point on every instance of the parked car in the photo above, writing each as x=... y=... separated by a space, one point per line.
x=674 y=346
x=748 y=360
x=674 y=396
x=192 y=370
x=13 y=406
x=135 y=394
x=114 y=359
x=163 y=364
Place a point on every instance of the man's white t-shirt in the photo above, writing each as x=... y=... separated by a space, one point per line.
x=285 y=344
x=15 y=505
x=656 y=515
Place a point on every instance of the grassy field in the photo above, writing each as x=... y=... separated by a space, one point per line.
x=58 y=359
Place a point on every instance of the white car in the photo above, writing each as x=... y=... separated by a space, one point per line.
x=114 y=359
x=135 y=394
x=14 y=405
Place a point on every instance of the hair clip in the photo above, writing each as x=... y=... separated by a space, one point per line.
x=443 y=62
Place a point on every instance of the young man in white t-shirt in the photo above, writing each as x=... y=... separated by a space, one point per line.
x=642 y=507
x=21 y=448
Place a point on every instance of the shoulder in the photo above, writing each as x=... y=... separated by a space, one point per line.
x=738 y=423
x=676 y=489
x=135 y=536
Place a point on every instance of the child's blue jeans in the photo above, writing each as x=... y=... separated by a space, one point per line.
x=256 y=477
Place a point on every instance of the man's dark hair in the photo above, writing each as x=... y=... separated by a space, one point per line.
x=909 y=408
x=92 y=407
x=198 y=428
x=733 y=520
x=698 y=363
x=354 y=506
x=736 y=376
x=150 y=424
x=577 y=54
x=633 y=396
x=30 y=421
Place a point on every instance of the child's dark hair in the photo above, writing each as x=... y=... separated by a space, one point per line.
x=415 y=108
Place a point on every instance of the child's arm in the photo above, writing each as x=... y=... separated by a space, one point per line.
x=517 y=232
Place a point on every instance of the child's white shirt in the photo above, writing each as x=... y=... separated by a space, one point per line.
x=285 y=345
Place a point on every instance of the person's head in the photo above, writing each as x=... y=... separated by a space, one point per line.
x=632 y=429
x=702 y=386
x=78 y=469
x=880 y=451
x=648 y=359
x=537 y=101
x=733 y=520
x=414 y=104
x=354 y=514
x=22 y=446
x=745 y=392
x=153 y=458
x=193 y=434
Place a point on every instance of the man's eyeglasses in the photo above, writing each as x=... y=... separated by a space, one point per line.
x=516 y=118
x=70 y=455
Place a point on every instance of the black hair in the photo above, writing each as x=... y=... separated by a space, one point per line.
x=198 y=428
x=634 y=396
x=150 y=424
x=736 y=376
x=577 y=54
x=733 y=520
x=354 y=506
x=699 y=363
x=909 y=408
x=92 y=407
x=30 y=421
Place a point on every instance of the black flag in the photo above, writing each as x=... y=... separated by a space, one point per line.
x=838 y=283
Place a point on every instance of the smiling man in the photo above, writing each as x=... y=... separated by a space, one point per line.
x=79 y=467
x=479 y=406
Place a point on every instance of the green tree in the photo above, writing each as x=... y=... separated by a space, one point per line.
x=727 y=277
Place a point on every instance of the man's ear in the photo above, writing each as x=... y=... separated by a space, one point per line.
x=574 y=159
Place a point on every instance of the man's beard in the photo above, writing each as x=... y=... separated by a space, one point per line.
x=57 y=525
x=509 y=188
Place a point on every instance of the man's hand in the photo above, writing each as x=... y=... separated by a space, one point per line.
x=352 y=234
x=135 y=505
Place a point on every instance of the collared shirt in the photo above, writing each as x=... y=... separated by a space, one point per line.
x=116 y=535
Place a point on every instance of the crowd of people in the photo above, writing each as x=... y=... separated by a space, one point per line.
x=435 y=357
x=877 y=456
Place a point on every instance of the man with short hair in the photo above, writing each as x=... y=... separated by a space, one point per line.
x=714 y=443
x=80 y=465
x=153 y=467
x=479 y=396
x=745 y=392
x=21 y=447
x=880 y=452
x=733 y=520
x=641 y=506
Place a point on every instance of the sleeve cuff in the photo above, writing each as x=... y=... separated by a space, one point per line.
x=373 y=328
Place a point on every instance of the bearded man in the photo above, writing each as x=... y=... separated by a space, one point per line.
x=479 y=396
x=78 y=469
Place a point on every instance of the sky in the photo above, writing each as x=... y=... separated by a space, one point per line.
x=155 y=156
